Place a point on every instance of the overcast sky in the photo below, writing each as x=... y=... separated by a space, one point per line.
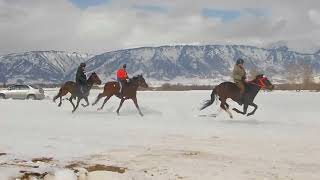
x=97 y=26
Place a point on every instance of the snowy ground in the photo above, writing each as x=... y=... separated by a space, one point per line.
x=172 y=141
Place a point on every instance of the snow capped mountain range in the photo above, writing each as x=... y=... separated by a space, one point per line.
x=174 y=64
x=39 y=66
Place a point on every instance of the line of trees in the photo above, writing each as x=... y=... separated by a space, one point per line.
x=301 y=77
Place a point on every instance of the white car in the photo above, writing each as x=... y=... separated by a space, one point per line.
x=22 y=92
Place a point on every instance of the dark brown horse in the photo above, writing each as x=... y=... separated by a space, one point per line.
x=70 y=87
x=129 y=92
x=227 y=90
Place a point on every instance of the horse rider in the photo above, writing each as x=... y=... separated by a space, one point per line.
x=122 y=77
x=239 y=77
x=81 y=78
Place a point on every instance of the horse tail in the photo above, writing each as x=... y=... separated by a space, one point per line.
x=209 y=102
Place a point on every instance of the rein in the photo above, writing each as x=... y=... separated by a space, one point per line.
x=261 y=83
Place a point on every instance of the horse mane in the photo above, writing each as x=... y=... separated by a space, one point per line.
x=93 y=73
x=136 y=77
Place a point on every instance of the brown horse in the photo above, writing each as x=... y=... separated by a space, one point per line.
x=70 y=87
x=129 y=92
x=227 y=90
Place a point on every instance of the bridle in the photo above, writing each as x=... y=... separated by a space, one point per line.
x=261 y=82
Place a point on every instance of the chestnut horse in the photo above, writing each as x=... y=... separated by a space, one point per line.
x=70 y=87
x=129 y=92
x=227 y=90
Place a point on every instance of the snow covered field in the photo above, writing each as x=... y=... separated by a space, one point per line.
x=172 y=141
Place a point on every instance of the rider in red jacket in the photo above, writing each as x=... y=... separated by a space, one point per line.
x=122 y=77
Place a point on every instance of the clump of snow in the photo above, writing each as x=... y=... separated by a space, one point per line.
x=61 y=175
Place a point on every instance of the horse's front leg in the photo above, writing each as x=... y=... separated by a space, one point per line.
x=255 y=108
x=70 y=100
x=245 y=108
x=87 y=101
x=120 y=105
x=98 y=98
x=78 y=102
x=104 y=102
x=137 y=105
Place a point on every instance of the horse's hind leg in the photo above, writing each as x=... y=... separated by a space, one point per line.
x=224 y=107
x=227 y=105
x=255 y=108
x=62 y=92
x=101 y=95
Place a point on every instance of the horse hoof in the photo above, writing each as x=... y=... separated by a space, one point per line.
x=99 y=109
x=231 y=117
x=141 y=114
x=249 y=114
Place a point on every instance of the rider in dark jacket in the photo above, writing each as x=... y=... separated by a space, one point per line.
x=81 y=78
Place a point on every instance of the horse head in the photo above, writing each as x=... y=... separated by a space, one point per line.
x=263 y=82
x=141 y=81
x=94 y=78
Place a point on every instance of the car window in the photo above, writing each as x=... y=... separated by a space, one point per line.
x=18 y=87
x=34 y=86
x=15 y=87
x=24 y=87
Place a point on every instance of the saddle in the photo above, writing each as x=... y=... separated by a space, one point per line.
x=244 y=96
x=83 y=90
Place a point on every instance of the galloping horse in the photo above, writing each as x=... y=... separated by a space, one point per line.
x=227 y=90
x=70 y=87
x=129 y=92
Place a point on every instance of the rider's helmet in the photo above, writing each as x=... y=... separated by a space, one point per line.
x=83 y=65
x=124 y=66
x=240 y=61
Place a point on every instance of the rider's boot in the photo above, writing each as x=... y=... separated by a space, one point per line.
x=81 y=90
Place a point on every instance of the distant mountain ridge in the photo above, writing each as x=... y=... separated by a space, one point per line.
x=200 y=64
x=174 y=64
x=39 y=66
